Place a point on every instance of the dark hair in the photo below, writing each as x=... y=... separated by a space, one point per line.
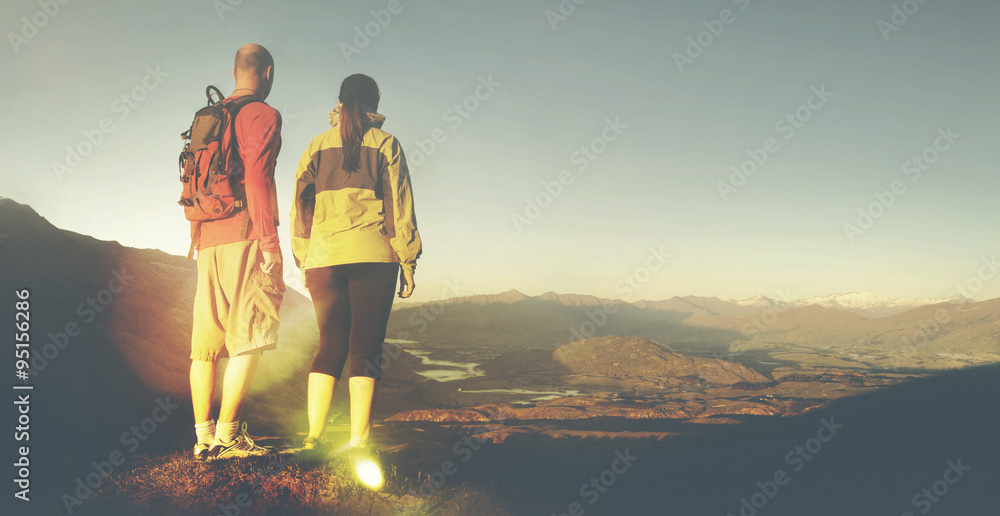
x=354 y=91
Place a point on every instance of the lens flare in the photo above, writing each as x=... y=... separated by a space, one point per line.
x=369 y=473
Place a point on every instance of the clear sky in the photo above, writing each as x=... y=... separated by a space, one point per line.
x=663 y=119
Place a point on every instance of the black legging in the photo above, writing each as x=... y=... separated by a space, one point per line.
x=352 y=303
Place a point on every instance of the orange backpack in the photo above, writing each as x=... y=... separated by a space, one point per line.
x=211 y=190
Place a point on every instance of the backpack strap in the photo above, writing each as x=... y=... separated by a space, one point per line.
x=234 y=107
x=246 y=224
x=194 y=240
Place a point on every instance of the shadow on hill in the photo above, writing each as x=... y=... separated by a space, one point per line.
x=106 y=389
x=110 y=331
x=868 y=455
x=544 y=323
x=110 y=343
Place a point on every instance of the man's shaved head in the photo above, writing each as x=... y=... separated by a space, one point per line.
x=254 y=70
x=253 y=59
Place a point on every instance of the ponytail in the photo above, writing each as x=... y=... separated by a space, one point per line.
x=355 y=91
x=351 y=133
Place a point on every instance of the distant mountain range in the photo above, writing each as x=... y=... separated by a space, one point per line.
x=854 y=330
x=110 y=337
x=864 y=304
x=66 y=268
x=870 y=305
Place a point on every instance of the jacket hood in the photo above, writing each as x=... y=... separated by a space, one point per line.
x=369 y=118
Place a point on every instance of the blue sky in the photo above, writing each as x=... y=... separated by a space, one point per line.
x=660 y=139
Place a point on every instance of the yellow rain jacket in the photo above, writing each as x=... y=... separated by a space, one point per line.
x=366 y=215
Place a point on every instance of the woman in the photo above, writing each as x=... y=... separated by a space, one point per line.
x=353 y=230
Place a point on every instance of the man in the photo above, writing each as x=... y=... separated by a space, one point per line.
x=240 y=285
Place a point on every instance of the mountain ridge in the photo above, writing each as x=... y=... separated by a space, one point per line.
x=863 y=303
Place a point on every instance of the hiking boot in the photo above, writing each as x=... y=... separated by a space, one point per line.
x=241 y=446
x=312 y=443
x=355 y=446
x=313 y=449
x=201 y=452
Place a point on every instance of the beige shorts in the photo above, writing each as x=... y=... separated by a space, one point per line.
x=236 y=304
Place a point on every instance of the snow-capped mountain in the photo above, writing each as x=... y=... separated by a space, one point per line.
x=864 y=304
x=760 y=301
x=871 y=305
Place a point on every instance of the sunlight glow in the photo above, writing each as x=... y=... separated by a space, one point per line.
x=369 y=473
